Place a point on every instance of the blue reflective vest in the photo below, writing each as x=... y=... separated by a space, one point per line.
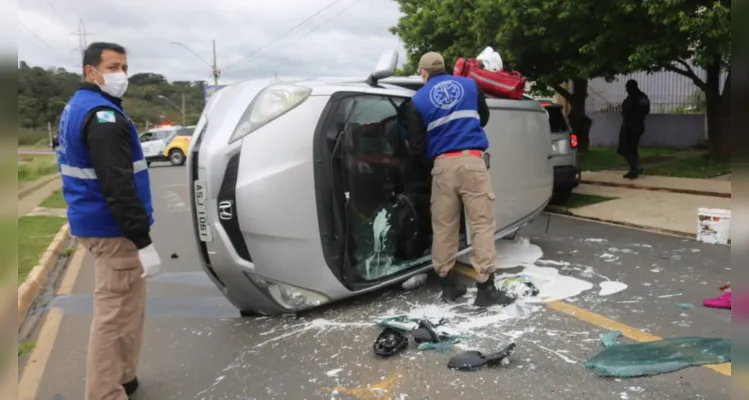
x=88 y=212
x=449 y=107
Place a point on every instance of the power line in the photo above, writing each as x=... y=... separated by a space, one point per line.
x=324 y=23
x=331 y=4
x=40 y=39
x=55 y=13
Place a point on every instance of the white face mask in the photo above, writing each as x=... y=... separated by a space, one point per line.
x=115 y=83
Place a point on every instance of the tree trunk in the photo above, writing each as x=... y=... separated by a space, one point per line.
x=580 y=122
x=718 y=113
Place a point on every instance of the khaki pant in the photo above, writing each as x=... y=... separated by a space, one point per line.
x=119 y=313
x=463 y=178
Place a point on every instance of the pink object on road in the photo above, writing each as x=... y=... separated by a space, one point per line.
x=722 y=301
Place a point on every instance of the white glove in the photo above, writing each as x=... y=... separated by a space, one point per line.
x=150 y=261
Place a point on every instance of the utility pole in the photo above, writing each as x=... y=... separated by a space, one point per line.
x=82 y=44
x=215 y=68
x=214 y=65
x=183 y=109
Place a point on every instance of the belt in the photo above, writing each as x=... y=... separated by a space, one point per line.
x=475 y=153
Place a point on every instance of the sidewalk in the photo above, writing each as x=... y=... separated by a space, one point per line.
x=27 y=187
x=703 y=187
x=32 y=200
x=657 y=210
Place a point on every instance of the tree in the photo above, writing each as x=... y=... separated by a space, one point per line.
x=42 y=94
x=545 y=40
x=691 y=33
x=437 y=25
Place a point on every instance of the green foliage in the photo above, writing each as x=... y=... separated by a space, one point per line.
x=438 y=25
x=42 y=94
x=36 y=167
x=405 y=71
x=55 y=200
x=687 y=30
x=546 y=40
x=34 y=236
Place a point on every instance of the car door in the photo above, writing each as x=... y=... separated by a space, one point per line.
x=148 y=144
x=161 y=140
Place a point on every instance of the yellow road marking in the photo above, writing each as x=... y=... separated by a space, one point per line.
x=28 y=386
x=378 y=391
x=29 y=382
x=71 y=275
x=600 y=321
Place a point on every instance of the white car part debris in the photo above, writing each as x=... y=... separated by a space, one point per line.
x=414 y=282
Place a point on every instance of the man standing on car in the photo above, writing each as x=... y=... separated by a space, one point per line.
x=445 y=120
x=634 y=109
x=106 y=185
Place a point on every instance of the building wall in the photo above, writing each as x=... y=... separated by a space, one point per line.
x=661 y=130
x=677 y=109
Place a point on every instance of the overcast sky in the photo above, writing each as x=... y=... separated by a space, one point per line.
x=344 y=40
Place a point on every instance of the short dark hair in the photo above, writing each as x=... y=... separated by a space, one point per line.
x=92 y=55
x=631 y=84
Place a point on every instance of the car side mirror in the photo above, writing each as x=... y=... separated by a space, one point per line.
x=385 y=68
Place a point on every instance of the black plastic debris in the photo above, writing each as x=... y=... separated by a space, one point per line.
x=425 y=333
x=390 y=342
x=474 y=360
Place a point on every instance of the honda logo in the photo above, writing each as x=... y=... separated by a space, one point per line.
x=225 y=210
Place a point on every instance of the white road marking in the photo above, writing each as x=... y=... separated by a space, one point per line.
x=174 y=203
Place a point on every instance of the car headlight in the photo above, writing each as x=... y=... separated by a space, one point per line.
x=288 y=296
x=269 y=104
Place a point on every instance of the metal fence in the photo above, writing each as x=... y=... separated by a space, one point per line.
x=669 y=93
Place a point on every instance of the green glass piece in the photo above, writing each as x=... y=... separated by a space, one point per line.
x=662 y=356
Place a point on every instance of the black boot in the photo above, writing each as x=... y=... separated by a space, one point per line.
x=452 y=289
x=130 y=387
x=489 y=295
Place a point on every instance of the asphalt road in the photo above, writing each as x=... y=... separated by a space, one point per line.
x=197 y=347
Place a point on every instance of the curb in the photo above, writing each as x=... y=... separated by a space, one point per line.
x=658 y=189
x=567 y=212
x=36 y=279
x=42 y=182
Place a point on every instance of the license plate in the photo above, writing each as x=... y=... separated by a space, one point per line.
x=201 y=211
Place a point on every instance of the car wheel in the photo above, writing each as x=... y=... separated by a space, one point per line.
x=561 y=195
x=176 y=157
x=148 y=163
x=248 y=314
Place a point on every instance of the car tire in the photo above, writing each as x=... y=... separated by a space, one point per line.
x=176 y=157
x=248 y=314
x=148 y=163
x=561 y=195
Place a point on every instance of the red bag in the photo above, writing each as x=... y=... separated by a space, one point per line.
x=508 y=85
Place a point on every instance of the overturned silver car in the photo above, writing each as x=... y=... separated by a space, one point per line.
x=303 y=192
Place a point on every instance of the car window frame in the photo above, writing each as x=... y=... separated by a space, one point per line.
x=557 y=121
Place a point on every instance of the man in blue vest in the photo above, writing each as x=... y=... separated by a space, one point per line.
x=445 y=121
x=106 y=185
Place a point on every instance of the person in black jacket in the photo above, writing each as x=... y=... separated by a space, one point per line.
x=634 y=110
x=107 y=188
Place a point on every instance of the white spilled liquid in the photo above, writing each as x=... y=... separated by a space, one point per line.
x=521 y=253
x=609 y=288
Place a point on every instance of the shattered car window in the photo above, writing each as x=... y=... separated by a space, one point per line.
x=388 y=225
